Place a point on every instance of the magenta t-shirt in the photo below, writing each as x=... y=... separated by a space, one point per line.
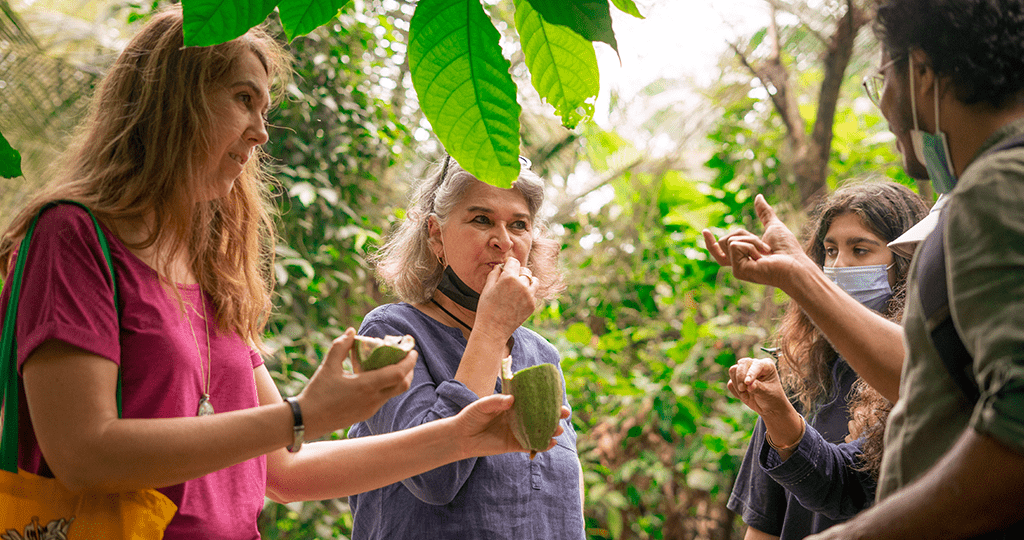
x=66 y=295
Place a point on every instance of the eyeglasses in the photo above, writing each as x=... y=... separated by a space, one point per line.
x=874 y=83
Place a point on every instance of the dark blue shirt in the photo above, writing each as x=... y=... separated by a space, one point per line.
x=766 y=505
x=496 y=497
x=822 y=476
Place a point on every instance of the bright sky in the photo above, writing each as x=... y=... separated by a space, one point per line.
x=676 y=38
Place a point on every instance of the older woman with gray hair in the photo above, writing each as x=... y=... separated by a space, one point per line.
x=469 y=264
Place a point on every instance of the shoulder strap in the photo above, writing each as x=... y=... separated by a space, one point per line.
x=931 y=279
x=9 y=344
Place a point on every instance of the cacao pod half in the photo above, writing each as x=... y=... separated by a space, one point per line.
x=375 y=353
x=538 y=403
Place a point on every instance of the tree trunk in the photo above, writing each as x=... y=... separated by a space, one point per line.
x=810 y=155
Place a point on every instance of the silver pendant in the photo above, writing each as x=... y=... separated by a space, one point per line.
x=205 y=407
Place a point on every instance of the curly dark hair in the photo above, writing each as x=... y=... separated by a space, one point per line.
x=888 y=209
x=978 y=44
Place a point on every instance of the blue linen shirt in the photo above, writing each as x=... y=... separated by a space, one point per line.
x=496 y=497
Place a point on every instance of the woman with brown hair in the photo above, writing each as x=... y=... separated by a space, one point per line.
x=814 y=455
x=169 y=161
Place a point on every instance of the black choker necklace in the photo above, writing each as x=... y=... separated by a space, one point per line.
x=452 y=315
x=457 y=290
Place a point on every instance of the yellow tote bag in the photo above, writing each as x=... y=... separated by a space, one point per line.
x=41 y=508
x=36 y=508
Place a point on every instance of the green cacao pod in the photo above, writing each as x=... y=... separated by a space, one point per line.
x=538 y=405
x=375 y=353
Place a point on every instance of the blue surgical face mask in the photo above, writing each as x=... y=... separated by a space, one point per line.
x=868 y=285
x=932 y=149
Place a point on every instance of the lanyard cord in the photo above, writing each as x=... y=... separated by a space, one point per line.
x=450 y=314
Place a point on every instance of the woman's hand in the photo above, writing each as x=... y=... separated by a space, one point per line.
x=756 y=382
x=508 y=299
x=483 y=428
x=335 y=398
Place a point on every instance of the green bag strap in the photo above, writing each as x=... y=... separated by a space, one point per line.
x=9 y=344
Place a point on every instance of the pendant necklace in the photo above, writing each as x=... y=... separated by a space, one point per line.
x=205 y=407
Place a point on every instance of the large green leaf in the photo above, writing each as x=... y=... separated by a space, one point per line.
x=209 y=22
x=10 y=159
x=300 y=17
x=563 y=65
x=464 y=87
x=591 y=19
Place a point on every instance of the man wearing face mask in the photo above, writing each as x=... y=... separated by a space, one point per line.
x=954 y=463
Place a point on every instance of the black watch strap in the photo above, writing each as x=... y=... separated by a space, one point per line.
x=299 y=430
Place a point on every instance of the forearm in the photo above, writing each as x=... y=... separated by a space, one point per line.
x=131 y=454
x=421 y=407
x=871 y=344
x=785 y=428
x=71 y=404
x=976 y=488
x=481 y=362
x=331 y=469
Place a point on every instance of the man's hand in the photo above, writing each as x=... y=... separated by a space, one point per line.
x=771 y=259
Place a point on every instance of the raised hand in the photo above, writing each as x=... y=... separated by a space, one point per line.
x=772 y=259
x=508 y=299
x=336 y=398
x=755 y=381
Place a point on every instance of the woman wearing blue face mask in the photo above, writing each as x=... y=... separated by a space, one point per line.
x=814 y=454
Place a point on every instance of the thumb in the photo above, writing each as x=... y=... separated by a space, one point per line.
x=765 y=212
x=492 y=277
x=340 y=347
x=494 y=403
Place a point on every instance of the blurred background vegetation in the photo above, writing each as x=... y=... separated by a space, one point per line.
x=648 y=325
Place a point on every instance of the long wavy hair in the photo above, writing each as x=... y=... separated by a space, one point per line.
x=887 y=209
x=141 y=150
x=409 y=268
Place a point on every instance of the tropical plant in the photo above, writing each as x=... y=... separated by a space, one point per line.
x=458 y=69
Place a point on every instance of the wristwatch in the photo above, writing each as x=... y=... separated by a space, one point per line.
x=299 y=430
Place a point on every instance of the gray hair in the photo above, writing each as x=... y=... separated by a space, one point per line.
x=411 y=270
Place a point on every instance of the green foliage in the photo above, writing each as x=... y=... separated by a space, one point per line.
x=458 y=69
x=10 y=159
x=566 y=73
x=209 y=22
x=300 y=17
x=335 y=138
x=648 y=327
x=464 y=87
x=591 y=19
x=627 y=6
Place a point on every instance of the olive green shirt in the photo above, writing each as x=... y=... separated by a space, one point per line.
x=984 y=252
